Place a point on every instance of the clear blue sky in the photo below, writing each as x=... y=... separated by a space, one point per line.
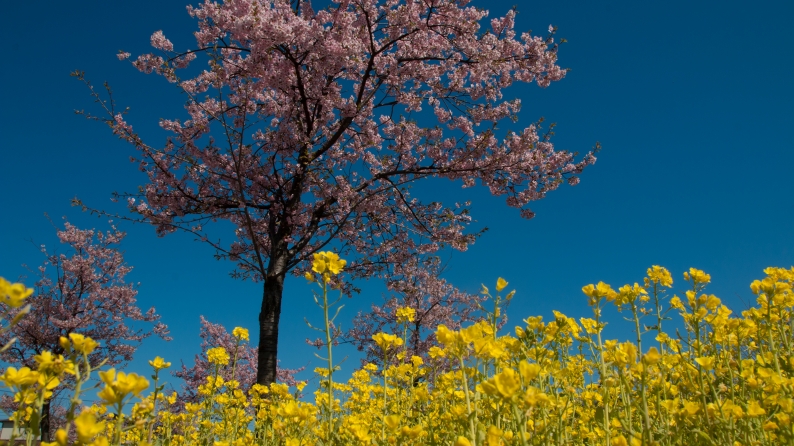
x=693 y=103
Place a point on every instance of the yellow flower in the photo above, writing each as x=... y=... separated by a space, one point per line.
x=697 y=276
x=534 y=396
x=462 y=441
x=240 y=333
x=21 y=377
x=117 y=387
x=690 y=408
x=652 y=357
x=218 y=355
x=528 y=371
x=80 y=343
x=325 y=262
x=411 y=432
x=494 y=436
x=386 y=341
x=504 y=384
x=660 y=275
x=61 y=437
x=620 y=440
x=707 y=362
x=754 y=409
x=87 y=426
x=436 y=352
x=600 y=290
x=360 y=432
x=13 y=294
x=405 y=314
x=158 y=363
x=56 y=365
x=392 y=422
x=500 y=284
x=629 y=294
x=589 y=325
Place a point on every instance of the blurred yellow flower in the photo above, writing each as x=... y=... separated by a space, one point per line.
x=158 y=363
x=462 y=441
x=405 y=314
x=118 y=386
x=80 y=343
x=754 y=409
x=13 y=294
x=386 y=341
x=652 y=357
x=392 y=422
x=22 y=377
x=87 y=427
x=500 y=284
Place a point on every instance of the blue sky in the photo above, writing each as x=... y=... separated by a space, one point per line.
x=692 y=101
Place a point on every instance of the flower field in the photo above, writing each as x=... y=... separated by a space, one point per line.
x=725 y=379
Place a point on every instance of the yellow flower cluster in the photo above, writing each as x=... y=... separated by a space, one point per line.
x=723 y=379
x=218 y=355
x=325 y=264
x=13 y=294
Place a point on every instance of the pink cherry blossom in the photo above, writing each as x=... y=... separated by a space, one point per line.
x=83 y=292
x=307 y=128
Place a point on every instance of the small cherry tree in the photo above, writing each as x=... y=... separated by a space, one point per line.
x=213 y=336
x=84 y=293
x=433 y=300
x=308 y=128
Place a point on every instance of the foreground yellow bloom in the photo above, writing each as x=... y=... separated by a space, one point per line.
x=118 y=387
x=462 y=441
x=652 y=357
x=392 y=422
x=505 y=384
x=79 y=343
x=13 y=294
x=17 y=378
x=54 y=364
x=499 y=390
x=500 y=284
x=87 y=427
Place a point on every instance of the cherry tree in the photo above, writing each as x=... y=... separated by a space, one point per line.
x=307 y=129
x=433 y=300
x=85 y=293
x=215 y=335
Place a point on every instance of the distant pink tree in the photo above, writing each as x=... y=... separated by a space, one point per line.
x=434 y=300
x=308 y=128
x=215 y=335
x=86 y=293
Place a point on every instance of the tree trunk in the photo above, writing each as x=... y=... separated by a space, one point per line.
x=268 y=329
x=44 y=426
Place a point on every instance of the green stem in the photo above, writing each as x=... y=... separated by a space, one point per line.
x=329 y=346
